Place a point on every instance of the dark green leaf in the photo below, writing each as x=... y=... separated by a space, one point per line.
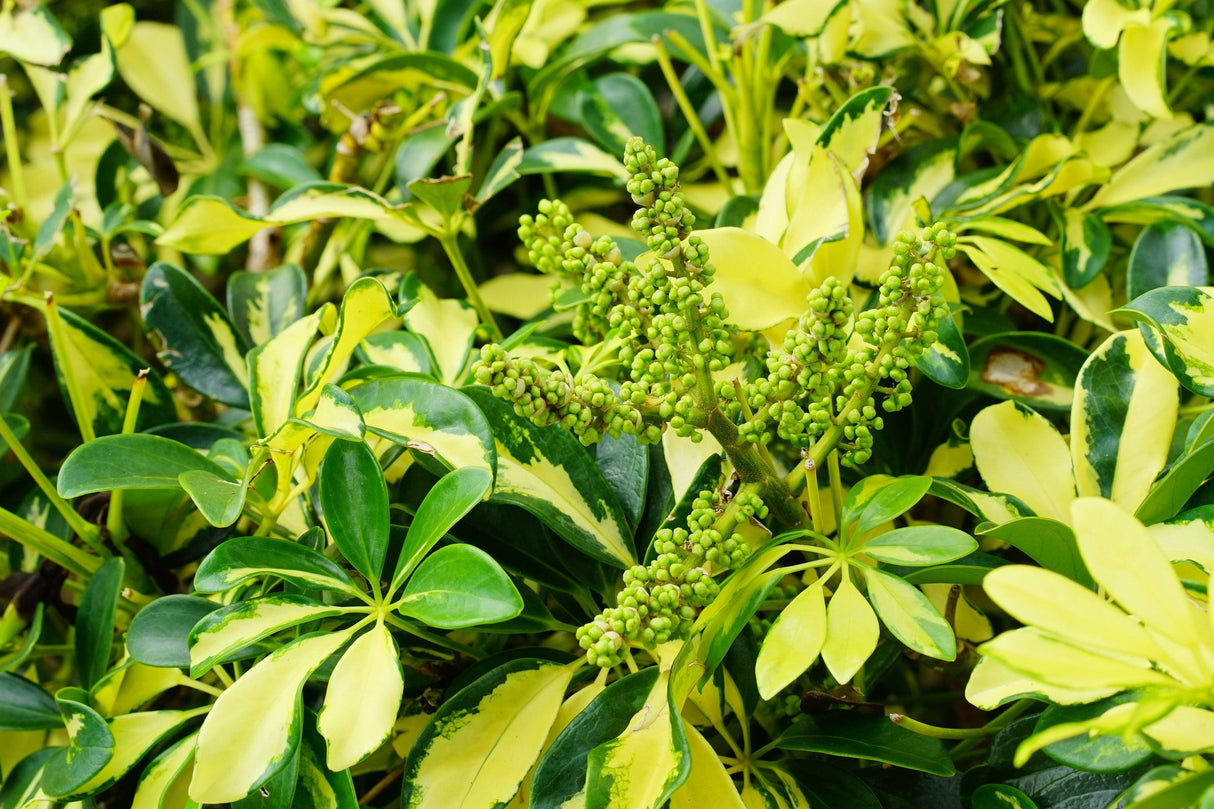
x=1166 y=254
x=876 y=738
x=561 y=772
x=829 y=787
x=160 y=632
x=199 y=342
x=22 y=780
x=1086 y=245
x=624 y=462
x=245 y=557
x=49 y=230
x=218 y=499
x=95 y=622
x=354 y=498
x=280 y=165
x=1102 y=753
x=419 y=154
x=446 y=504
x=14 y=365
x=25 y=706
x=459 y=586
x=1170 y=493
x=90 y=746
x=130 y=462
x=1001 y=796
x=919 y=172
x=1184 y=791
x=947 y=361
x=619 y=106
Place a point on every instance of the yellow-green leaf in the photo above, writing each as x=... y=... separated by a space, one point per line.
x=909 y=615
x=803 y=18
x=157 y=784
x=274 y=369
x=212 y=226
x=226 y=630
x=793 y=642
x=134 y=735
x=1103 y=20
x=1127 y=562
x=992 y=684
x=1019 y=452
x=1183 y=160
x=154 y=63
x=708 y=784
x=234 y=755
x=1186 y=729
x=1052 y=602
x=32 y=35
x=363 y=698
x=641 y=767
x=1142 y=60
x=1044 y=658
x=448 y=325
x=851 y=631
x=1122 y=420
x=761 y=286
x=479 y=746
x=518 y=294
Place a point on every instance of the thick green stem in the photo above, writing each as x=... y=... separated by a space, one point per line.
x=450 y=244
x=753 y=466
x=87 y=531
x=12 y=150
x=45 y=543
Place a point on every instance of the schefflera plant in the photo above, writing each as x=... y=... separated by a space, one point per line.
x=1144 y=643
x=453 y=587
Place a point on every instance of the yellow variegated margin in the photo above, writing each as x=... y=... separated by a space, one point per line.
x=363 y=698
x=134 y=735
x=235 y=756
x=1122 y=420
x=247 y=622
x=708 y=784
x=1019 y=452
x=1151 y=637
x=478 y=758
x=1183 y=160
x=274 y=369
x=448 y=326
x=160 y=779
x=212 y=226
x=639 y=768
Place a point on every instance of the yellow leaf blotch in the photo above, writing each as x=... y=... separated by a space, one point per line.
x=362 y=700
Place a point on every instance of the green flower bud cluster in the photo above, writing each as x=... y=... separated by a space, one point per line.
x=817 y=384
x=584 y=405
x=671 y=334
x=660 y=601
x=564 y=249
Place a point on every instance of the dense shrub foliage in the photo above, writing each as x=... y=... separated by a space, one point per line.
x=547 y=404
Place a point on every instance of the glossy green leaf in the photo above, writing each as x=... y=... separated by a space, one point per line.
x=243 y=558
x=1086 y=244
x=280 y=165
x=362 y=699
x=446 y=504
x=459 y=586
x=21 y=782
x=909 y=616
x=947 y=361
x=1102 y=753
x=1170 y=493
x=218 y=499
x=90 y=746
x=619 y=106
x=95 y=622
x=1183 y=791
x=198 y=341
x=1035 y=369
x=224 y=771
x=624 y=462
x=546 y=471
x=354 y=497
x=135 y=461
x=104 y=371
x=920 y=545
x=160 y=632
x=875 y=738
x=228 y=630
x=1166 y=254
x=879 y=499
x=264 y=304
x=25 y=706
x=1122 y=421
x=134 y=734
x=1180 y=315
x=1048 y=542
x=481 y=743
x=1001 y=796
x=428 y=418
